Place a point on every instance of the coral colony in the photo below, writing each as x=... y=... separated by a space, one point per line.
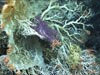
x=49 y=37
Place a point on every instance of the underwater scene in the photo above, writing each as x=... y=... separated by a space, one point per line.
x=49 y=37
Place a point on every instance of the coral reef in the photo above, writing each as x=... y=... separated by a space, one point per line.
x=47 y=37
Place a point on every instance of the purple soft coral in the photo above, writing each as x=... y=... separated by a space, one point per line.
x=43 y=29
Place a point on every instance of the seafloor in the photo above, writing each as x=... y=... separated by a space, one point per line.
x=50 y=37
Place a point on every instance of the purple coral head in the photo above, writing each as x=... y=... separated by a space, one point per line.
x=43 y=29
